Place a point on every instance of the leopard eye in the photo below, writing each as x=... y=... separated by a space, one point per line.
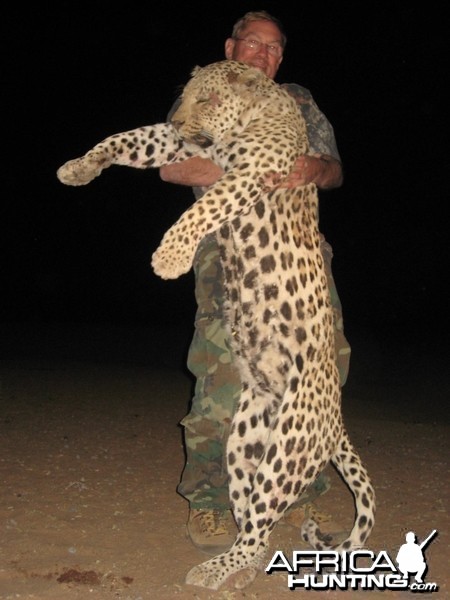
x=202 y=100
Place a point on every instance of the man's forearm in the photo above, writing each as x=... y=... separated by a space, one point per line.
x=194 y=172
x=323 y=170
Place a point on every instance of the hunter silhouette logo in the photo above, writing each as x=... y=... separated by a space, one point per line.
x=358 y=569
x=410 y=558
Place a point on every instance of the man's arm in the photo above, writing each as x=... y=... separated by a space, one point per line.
x=321 y=169
x=195 y=172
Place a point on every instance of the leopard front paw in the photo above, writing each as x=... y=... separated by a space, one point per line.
x=170 y=264
x=81 y=171
x=175 y=253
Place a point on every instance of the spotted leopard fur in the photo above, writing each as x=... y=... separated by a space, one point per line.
x=288 y=425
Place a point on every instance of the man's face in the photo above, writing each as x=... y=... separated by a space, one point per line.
x=261 y=58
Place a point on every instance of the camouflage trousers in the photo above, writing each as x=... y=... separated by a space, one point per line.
x=204 y=481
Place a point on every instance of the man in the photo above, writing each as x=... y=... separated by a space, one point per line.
x=258 y=40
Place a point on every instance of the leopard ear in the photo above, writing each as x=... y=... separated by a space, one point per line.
x=250 y=79
x=195 y=70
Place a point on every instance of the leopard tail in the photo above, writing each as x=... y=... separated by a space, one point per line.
x=348 y=463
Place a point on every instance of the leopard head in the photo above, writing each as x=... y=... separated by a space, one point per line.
x=214 y=100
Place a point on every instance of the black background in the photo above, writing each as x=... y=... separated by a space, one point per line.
x=76 y=73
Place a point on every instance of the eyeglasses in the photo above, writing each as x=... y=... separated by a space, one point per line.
x=272 y=49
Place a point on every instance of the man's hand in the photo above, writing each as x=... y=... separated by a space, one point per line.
x=321 y=169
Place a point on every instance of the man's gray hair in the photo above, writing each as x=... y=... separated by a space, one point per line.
x=257 y=15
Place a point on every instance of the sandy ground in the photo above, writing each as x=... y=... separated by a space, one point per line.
x=91 y=453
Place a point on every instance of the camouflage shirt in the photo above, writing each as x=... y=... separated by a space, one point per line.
x=320 y=132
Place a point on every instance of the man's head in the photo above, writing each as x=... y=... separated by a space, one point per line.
x=258 y=40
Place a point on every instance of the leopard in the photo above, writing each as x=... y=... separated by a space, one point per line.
x=288 y=425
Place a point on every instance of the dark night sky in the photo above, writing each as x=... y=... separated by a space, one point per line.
x=79 y=72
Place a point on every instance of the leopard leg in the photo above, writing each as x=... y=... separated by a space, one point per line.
x=245 y=447
x=294 y=454
x=142 y=148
